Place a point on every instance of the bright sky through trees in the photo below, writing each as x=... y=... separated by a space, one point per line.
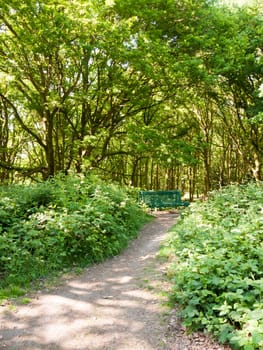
x=238 y=2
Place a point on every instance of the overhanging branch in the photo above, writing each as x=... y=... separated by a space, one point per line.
x=24 y=170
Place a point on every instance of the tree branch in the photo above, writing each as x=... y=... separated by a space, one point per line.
x=23 y=125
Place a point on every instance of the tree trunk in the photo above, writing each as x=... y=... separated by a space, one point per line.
x=256 y=168
x=49 y=148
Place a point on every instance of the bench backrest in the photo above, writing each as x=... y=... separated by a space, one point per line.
x=162 y=199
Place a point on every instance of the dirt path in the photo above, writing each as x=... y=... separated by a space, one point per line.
x=116 y=305
x=110 y=306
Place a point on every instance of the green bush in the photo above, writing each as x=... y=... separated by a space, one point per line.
x=218 y=274
x=67 y=221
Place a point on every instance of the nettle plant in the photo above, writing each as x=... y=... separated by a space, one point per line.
x=218 y=274
x=64 y=222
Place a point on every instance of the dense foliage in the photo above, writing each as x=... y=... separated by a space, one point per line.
x=159 y=94
x=218 y=271
x=63 y=222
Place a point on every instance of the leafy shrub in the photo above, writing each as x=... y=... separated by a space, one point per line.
x=64 y=222
x=218 y=274
x=18 y=201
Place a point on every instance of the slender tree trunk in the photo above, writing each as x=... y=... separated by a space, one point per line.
x=49 y=148
x=134 y=175
x=4 y=136
x=256 y=169
x=207 y=180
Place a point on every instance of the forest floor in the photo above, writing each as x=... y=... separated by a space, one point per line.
x=120 y=304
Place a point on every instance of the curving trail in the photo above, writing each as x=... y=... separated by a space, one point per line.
x=113 y=305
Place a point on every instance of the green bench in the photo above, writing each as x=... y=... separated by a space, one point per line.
x=162 y=199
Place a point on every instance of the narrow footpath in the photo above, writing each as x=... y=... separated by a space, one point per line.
x=117 y=305
x=114 y=305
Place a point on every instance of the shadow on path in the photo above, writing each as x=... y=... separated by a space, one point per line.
x=107 y=307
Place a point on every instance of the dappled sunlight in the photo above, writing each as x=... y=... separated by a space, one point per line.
x=106 y=307
x=145 y=257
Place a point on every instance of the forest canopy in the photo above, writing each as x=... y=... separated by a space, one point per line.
x=160 y=95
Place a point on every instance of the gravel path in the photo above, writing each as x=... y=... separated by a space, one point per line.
x=115 y=305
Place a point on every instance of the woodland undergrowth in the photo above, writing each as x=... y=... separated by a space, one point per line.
x=217 y=273
x=62 y=223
